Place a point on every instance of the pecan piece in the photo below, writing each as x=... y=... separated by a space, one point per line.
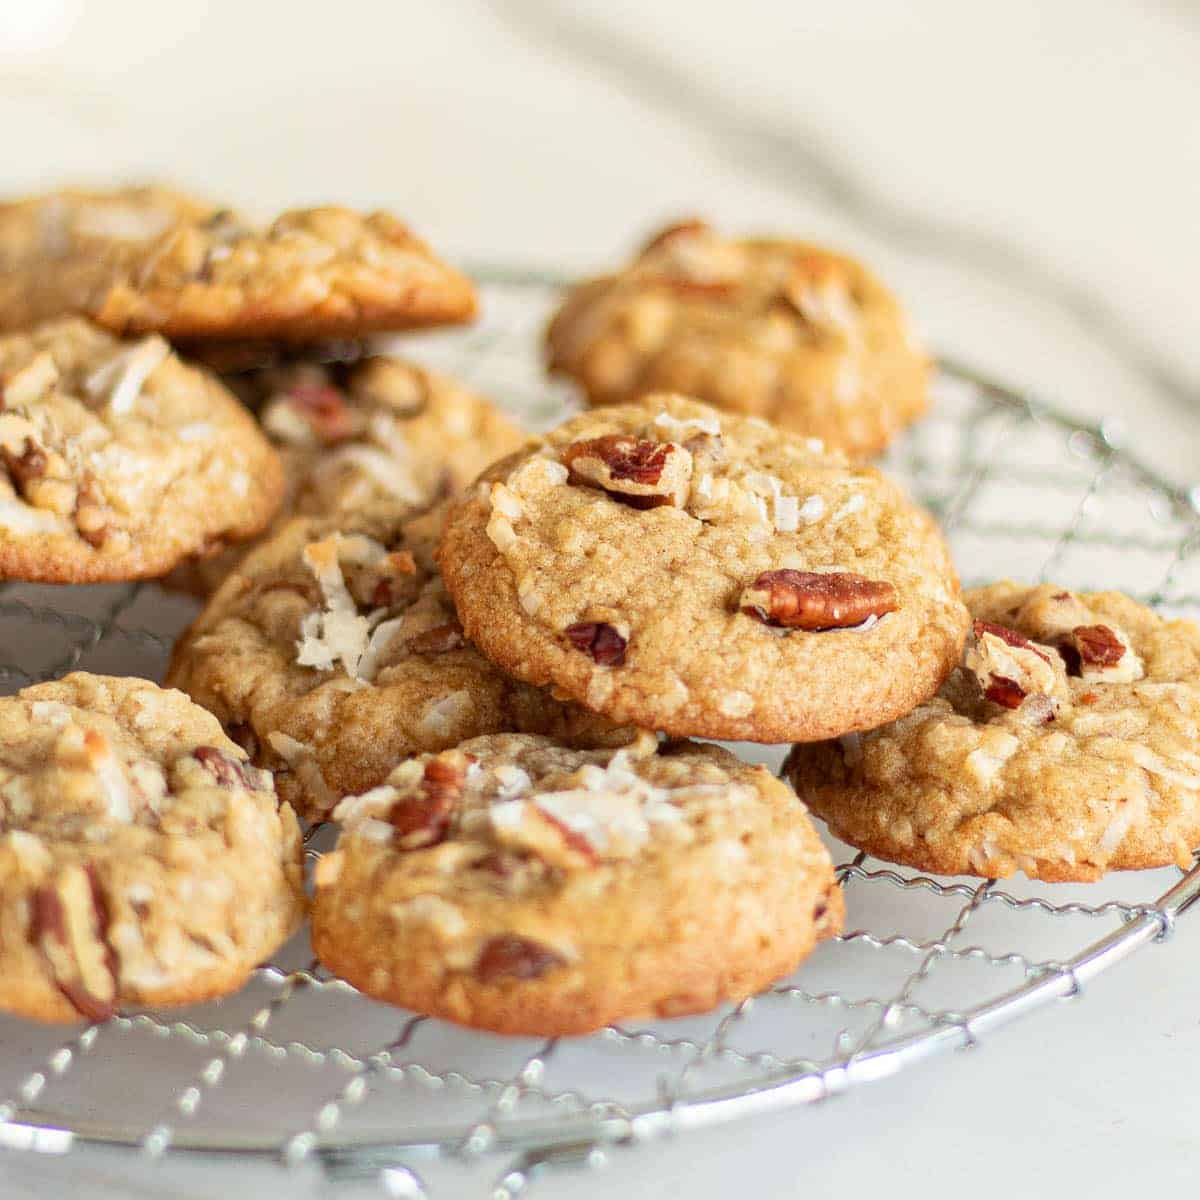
x=422 y=818
x=600 y=640
x=511 y=956
x=27 y=466
x=1004 y=692
x=438 y=640
x=634 y=471
x=69 y=925
x=228 y=771
x=1009 y=667
x=1097 y=645
x=815 y=602
x=325 y=411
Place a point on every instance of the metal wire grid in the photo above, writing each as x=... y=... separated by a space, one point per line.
x=363 y=1088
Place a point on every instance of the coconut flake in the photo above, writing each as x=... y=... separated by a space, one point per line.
x=813 y=509
x=122 y=377
x=24 y=518
x=680 y=428
x=377 y=464
x=339 y=633
x=855 y=503
x=32 y=381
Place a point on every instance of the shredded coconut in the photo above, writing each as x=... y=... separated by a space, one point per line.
x=121 y=378
x=24 y=518
x=339 y=633
x=680 y=428
x=32 y=381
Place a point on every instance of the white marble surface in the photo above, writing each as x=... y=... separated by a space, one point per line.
x=1027 y=175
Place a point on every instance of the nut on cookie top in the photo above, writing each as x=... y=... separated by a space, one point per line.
x=706 y=575
x=117 y=459
x=769 y=327
x=1067 y=744
x=148 y=259
x=597 y=882
x=334 y=651
x=121 y=804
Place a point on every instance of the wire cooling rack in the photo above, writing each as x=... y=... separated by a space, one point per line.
x=299 y=1067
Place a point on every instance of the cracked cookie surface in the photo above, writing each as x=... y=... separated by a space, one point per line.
x=779 y=329
x=377 y=432
x=143 y=861
x=705 y=575
x=117 y=460
x=516 y=885
x=333 y=652
x=152 y=260
x=1067 y=745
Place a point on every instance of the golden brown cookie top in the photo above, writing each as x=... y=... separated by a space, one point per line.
x=775 y=328
x=117 y=459
x=707 y=575
x=525 y=886
x=1066 y=745
x=120 y=803
x=148 y=259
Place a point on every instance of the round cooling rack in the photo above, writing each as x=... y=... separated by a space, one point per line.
x=299 y=1067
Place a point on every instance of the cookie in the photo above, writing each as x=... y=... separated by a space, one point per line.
x=518 y=886
x=143 y=861
x=705 y=575
x=332 y=652
x=377 y=432
x=784 y=330
x=151 y=260
x=1067 y=745
x=117 y=460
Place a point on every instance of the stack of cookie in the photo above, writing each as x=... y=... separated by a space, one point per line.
x=488 y=680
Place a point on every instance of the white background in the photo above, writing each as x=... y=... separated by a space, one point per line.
x=1027 y=175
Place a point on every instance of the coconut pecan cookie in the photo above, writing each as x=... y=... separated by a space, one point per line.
x=376 y=432
x=332 y=652
x=143 y=861
x=516 y=885
x=150 y=260
x=1067 y=745
x=706 y=575
x=117 y=460
x=779 y=329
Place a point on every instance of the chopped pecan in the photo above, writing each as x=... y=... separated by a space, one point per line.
x=511 y=956
x=90 y=515
x=1097 y=645
x=422 y=818
x=395 y=583
x=814 y=602
x=438 y=640
x=325 y=410
x=1009 y=666
x=69 y=924
x=1004 y=692
x=228 y=771
x=600 y=640
x=1010 y=637
x=499 y=863
x=637 y=472
x=27 y=466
